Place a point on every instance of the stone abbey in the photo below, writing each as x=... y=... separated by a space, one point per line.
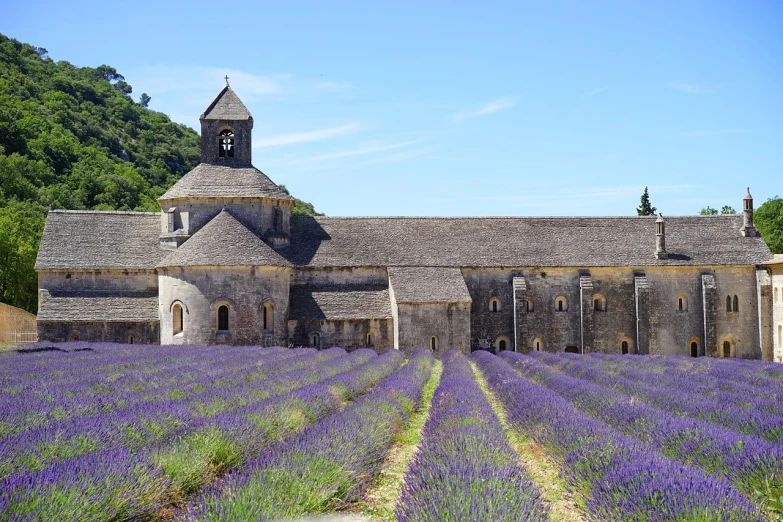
x=224 y=262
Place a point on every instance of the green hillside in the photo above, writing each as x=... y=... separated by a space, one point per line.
x=74 y=138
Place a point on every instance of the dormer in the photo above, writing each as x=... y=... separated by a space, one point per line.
x=226 y=127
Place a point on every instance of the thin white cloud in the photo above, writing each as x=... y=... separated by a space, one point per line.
x=362 y=150
x=706 y=133
x=305 y=137
x=691 y=88
x=500 y=104
x=594 y=92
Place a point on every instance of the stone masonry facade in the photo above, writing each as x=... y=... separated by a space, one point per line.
x=224 y=262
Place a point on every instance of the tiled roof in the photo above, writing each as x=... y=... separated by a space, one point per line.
x=520 y=242
x=82 y=239
x=428 y=285
x=339 y=302
x=219 y=181
x=98 y=307
x=226 y=106
x=224 y=241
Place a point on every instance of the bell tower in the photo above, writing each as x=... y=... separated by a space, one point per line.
x=226 y=127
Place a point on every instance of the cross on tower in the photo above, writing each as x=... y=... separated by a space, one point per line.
x=226 y=79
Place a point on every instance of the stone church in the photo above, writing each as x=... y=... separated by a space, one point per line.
x=225 y=262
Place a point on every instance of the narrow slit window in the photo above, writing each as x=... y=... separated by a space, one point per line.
x=736 y=304
x=177 y=319
x=223 y=318
x=530 y=308
x=369 y=339
x=726 y=349
x=434 y=343
x=316 y=338
x=728 y=303
x=624 y=347
x=131 y=339
x=694 y=349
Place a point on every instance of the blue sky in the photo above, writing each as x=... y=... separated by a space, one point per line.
x=457 y=108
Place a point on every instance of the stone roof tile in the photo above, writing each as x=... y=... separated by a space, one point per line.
x=520 y=242
x=339 y=302
x=226 y=106
x=420 y=284
x=88 y=240
x=98 y=307
x=219 y=181
x=224 y=241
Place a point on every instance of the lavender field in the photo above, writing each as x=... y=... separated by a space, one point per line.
x=92 y=431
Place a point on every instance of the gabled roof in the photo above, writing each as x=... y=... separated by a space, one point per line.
x=226 y=106
x=218 y=181
x=88 y=240
x=418 y=284
x=98 y=307
x=224 y=241
x=339 y=302
x=521 y=242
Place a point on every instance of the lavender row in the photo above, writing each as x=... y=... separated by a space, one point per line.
x=683 y=401
x=764 y=376
x=745 y=460
x=178 y=469
x=328 y=463
x=35 y=403
x=726 y=387
x=465 y=468
x=620 y=477
x=155 y=423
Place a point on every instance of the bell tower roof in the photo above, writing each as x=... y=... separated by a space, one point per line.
x=227 y=107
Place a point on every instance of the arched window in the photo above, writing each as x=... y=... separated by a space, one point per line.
x=269 y=317
x=538 y=344
x=131 y=339
x=726 y=349
x=494 y=304
x=226 y=143
x=223 y=318
x=502 y=343
x=682 y=303
x=434 y=343
x=177 y=319
x=74 y=336
x=561 y=304
x=530 y=307
x=694 y=349
x=369 y=339
x=728 y=303
x=624 y=347
x=315 y=338
x=736 y=304
x=776 y=294
x=599 y=303
x=780 y=336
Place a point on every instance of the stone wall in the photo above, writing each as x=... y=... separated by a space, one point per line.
x=256 y=214
x=348 y=334
x=637 y=306
x=141 y=333
x=777 y=311
x=202 y=290
x=449 y=323
x=103 y=281
x=340 y=276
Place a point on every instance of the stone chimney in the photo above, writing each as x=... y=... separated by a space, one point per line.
x=748 y=229
x=660 y=238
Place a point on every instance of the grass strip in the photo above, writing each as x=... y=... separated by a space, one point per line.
x=564 y=505
x=380 y=499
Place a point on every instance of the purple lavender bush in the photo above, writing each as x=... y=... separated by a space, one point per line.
x=330 y=462
x=621 y=478
x=464 y=468
x=747 y=461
